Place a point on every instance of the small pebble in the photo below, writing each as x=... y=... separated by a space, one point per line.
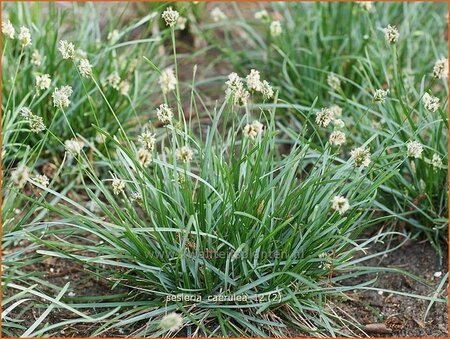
x=437 y=274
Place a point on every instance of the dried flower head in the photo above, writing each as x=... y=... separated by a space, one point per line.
x=262 y=15
x=164 y=114
x=36 y=58
x=340 y=204
x=74 y=146
x=184 y=154
x=137 y=198
x=235 y=90
x=167 y=80
x=337 y=138
x=43 y=81
x=171 y=322
x=360 y=156
x=391 y=34
x=8 y=29
x=61 y=97
x=253 y=130
x=430 y=102
x=170 y=16
x=324 y=117
x=217 y=14
x=367 y=6
x=24 y=36
x=181 y=23
x=266 y=90
x=436 y=161
x=148 y=140
x=42 y=180
x=124 y=87
x=338 y=123
x=414 y=149
x=113 y=80
x=20 y=176
x=117 y=185
x=145 y=156
x=85 y=68
x=380 y=95
x=333 y=81
x=275 y=28
x=337 y=111
x=440 y=69
x=36 y=122
x=254 y=81
x=67 y=49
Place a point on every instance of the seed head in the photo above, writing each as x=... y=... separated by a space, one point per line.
x=430 y=102
x=262 y=15
x=170 y=16
x=391 y=34
x=74 y=146
x=164 y=114
x=167 y=80
x=85 y=68
x=414 y=149
x=217 y=14
x=148 y=140
x=67 y=49
x=380 y=95
x=42 y=180
x=184 y=154
x=340 y=204
x=436 y=161
x=8 y=29
x=324 y=117
x=43 y=81
x=118 y=185
x=333 y=81
x=36 y=58
x=24 y=36
x=360 y=157
x=61 y=97
x=253 y=130
x=337 y=138
x=275 y=28
x=440 y=69
x=171 y=322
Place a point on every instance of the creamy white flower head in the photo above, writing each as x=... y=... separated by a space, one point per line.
x=113 y=35
x=36 y=122
x=366 y=5
x=254 y=81
x=324 y=117
x=440 y=69
x=124 y=87
x=8 y=29
x=337 y=111
x=43 y=81
x=391 y=34
x=170 y=16
x=339 y=123
x=85 y=68
x=113 y=80
x=262 y=15
x=235 y=89
x=333 y=81
x=100 y=138
x=430 y=102
x=184 y=154
x=253 y=130
x=118 y=185
x=217 y=14
x=167 y=80
x=136 y=197
x=148 y=140
x=436 y=161
x=164 y=114
x=20 y=176
x=181 y=23
x=74 y=146
x=414 y=149
x=326 y=261
x=275 y=28
x=61 y=97
x=337 y=138
x=360 y=156
x=36 y=58
x=266 y=90
x=380 y=95
x=340 y=204
x=67 y=49
x=171 y=322
x=42 y=180
x=145 y=156
x=24 y=36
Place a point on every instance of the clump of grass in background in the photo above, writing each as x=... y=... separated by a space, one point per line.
x=374 y=77
x=204 y=201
